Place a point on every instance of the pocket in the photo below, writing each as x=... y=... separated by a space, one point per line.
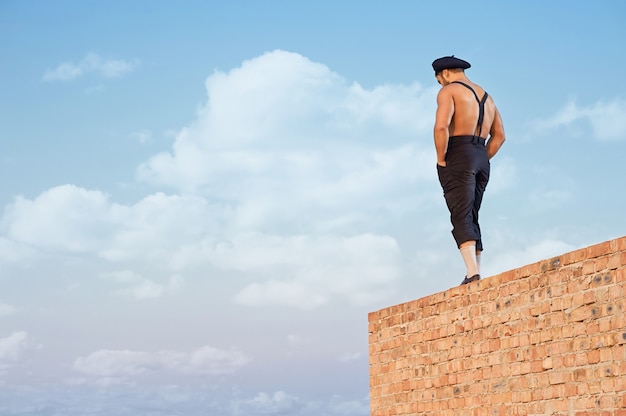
x=441 y=173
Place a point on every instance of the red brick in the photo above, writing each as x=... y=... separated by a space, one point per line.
x=593 y=356
x=574 y=257
x=616 y=260
x=529 y=341
x=589 y=267
x=559 y=377
x=599 y=249
x=581 y=313
x=602 y=263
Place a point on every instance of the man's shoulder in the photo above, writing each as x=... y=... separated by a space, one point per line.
x=467 y=88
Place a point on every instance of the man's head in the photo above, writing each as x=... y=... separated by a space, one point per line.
x=448 y=65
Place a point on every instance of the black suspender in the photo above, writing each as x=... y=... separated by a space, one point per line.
x=481 y=107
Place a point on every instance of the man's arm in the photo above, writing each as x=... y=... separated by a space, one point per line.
x=443 y=118
x=497 y=136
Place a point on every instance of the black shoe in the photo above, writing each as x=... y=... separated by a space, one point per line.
x=470 y=279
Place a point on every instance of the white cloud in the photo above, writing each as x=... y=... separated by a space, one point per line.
x=91 y=63
x=65 y=217
x=108 y=363
x=160 y=223
x=551 y=189
x=283 y=403
x=504 y=174
x=13 y=251
x=304 y=271
x=278 y=403
x=339 y=406
x=139 y=287
x=12 y=347
x=543 y=198
x=70 y=219
x=182 y=231
x=349 y=356
x=607 y=119
x=142 y=136
x=209 y=360
x=294 y=340
x=122 y=365
x=6 y=310
x=283 y=124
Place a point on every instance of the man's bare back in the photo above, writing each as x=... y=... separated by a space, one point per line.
x=457 y=114
x=465 y=115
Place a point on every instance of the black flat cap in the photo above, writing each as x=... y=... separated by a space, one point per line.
x=449 y=62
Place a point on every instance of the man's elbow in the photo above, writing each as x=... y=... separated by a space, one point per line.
x=498 y=137
x=440 y=129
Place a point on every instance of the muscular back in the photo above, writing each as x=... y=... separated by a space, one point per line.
x=457 y=115
x=465 y=114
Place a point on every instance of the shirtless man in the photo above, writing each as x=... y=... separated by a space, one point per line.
x=465 y=116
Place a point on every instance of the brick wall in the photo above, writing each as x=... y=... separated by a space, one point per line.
x=546 y=339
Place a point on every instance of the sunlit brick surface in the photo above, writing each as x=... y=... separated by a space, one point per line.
x=545 y=339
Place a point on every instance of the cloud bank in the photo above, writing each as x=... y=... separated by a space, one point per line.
x=91 y=64
x=120 y=365
x=606 y=119
x=286 y=177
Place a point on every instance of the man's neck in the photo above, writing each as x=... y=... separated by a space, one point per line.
x=459 y=77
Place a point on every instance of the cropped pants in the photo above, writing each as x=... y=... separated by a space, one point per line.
x=464 y=180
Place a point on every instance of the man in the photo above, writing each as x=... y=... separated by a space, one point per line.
x=465 y=116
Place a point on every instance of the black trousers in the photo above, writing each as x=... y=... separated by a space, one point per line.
x=464 y=180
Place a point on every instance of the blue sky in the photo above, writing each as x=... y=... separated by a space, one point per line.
x=202 y=200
